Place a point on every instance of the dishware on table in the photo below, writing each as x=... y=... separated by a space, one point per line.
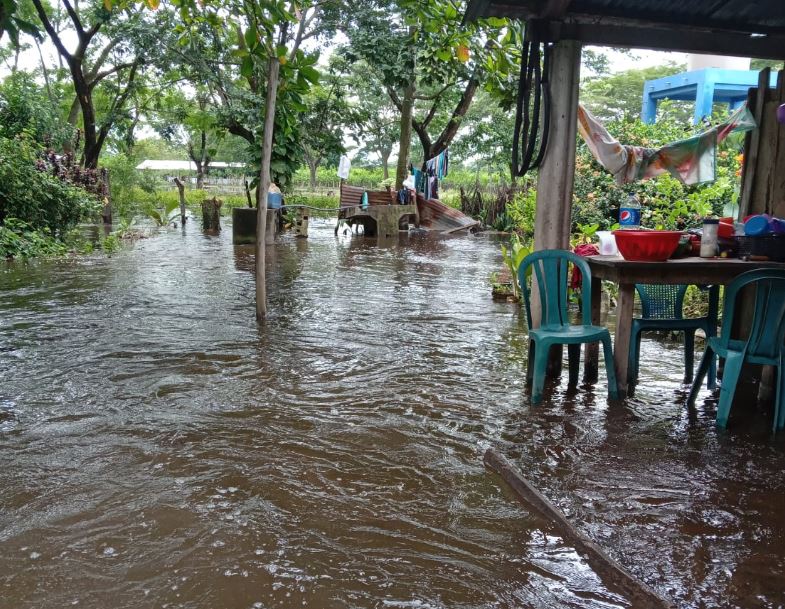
x=647 y=245
x=607 y=243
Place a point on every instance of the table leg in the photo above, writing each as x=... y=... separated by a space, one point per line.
x=621 y=346
x=591 y=351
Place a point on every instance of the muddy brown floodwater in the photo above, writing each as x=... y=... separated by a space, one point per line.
x=158 y=449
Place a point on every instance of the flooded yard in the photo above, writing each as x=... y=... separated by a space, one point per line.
x=159 y=449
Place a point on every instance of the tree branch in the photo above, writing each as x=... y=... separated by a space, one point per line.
x=51 y=31
x=75 y=18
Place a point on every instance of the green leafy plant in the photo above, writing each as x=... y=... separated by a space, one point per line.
x=512 y=257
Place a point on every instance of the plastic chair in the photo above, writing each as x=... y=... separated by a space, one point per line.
x=551 y=271
x=764 y=345
x=662 y=310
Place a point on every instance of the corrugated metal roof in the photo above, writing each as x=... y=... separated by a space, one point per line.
x=749 y=28
x=738 y=15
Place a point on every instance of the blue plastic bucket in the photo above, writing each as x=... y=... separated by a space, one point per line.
x=274 y=200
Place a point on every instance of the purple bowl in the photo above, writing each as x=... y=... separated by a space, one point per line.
x=781 y=114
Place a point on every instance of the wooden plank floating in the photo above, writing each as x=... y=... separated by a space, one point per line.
x=610 y=571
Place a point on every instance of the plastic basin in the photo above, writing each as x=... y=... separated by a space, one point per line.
x=647 y=245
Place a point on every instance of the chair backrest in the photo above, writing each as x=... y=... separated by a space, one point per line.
x=660 y=301
x=551 y=271
x=768 y=322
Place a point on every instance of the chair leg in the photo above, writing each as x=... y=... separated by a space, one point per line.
x=540 y=371
x=530 y=362
x=610 y=369
x=730 y=376
x=689 y=355
x=707 y=361
x=711 y=383
x=779 y=411
x=574 y=356
x=633 y=367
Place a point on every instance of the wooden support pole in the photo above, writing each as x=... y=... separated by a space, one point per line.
x=557 y=172
x=610 y=571
x=181 y=192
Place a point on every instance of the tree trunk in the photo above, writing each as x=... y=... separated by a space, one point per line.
x=407 y=110
x=211 y=214
x=91 y=148
x=312 y=167
x=273 y=69
x=385 y=154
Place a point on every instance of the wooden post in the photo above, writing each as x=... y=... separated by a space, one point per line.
x=181 y=192
x=557 y=172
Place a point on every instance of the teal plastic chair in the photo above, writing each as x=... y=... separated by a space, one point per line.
x=550 y=267
x=661 y=308
x=764 y=345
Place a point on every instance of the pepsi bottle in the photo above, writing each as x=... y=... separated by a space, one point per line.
x=630 y=214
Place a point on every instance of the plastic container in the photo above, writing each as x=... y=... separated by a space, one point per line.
x=756 y=226
x=709 y=244
x=630 y=214
x=647 y=246
x=607 y=243
x=274 y=200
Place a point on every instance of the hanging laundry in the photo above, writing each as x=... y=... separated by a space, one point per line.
x=434 y=170
x=691 y=161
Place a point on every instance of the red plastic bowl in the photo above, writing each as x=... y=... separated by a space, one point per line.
x=647 y=245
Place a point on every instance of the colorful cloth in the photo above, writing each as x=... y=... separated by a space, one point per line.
x=691 y=161
x=587 y=249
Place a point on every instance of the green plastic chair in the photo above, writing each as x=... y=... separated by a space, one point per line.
x=662 y=310
x=550 y=267
x=764 y=345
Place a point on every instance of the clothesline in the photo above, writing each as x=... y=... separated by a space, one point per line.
x=691 y=161
x=434 y=170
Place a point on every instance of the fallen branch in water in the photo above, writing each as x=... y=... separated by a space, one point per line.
x=610 y=571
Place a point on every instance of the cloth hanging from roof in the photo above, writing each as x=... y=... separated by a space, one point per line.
x=691 y=161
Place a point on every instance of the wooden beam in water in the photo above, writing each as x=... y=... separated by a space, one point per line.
x=609 y=570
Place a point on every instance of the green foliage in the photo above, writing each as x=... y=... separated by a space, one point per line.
x=666 y=203
x=19 y=239
x=618 y=96
x=30 y=193
x=25 y=108
x=318 y=201
x=521 y=211
x=123 y=181
x=512 y=257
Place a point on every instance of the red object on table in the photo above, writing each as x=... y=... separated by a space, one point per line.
x=647 y=245
x=587 y=249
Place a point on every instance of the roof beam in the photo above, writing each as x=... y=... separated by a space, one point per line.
x=686 y=40
x=554 y=9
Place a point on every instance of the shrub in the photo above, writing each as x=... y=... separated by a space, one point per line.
x=31 y=193
x=20 y=240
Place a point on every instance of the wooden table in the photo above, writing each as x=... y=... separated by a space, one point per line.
x=698 y=271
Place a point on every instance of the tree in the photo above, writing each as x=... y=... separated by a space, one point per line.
x=321 y=134
x=486 y=137
x=87 y=64
x=430 y=64
x=620 y=95
x=371 y=119
x=190 y=122
x=14 y=22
